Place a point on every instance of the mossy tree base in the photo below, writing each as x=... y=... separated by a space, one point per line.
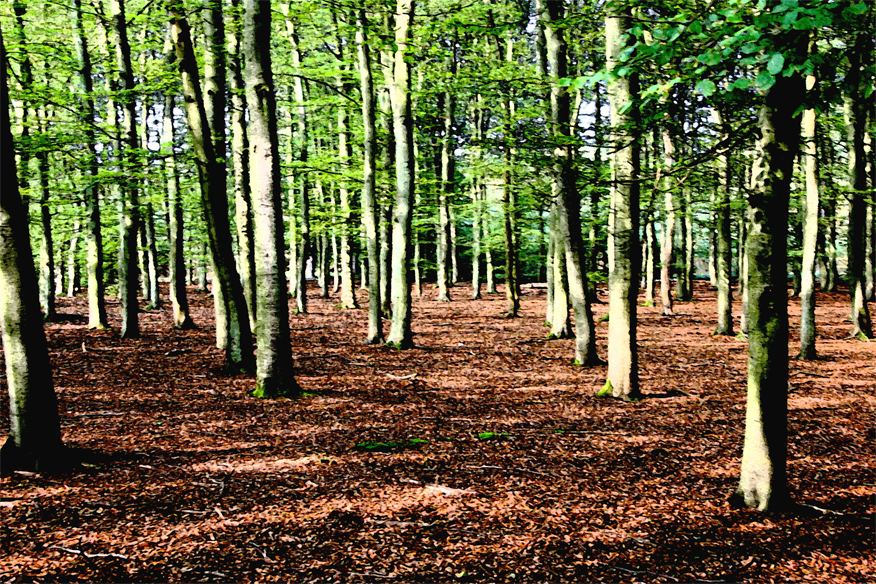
x=274 y=388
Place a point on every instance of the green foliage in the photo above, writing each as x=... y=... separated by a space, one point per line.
x=606 y=390
x=493 y=436
x=394 y=446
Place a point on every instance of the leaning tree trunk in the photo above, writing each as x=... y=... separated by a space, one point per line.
x=214 y=200
x=400 y=334
x=94 y=239
x=34 y=441
x=369 y=171
x=810 y=228
x=274 y=364
x=623 y=228
x=763 y=473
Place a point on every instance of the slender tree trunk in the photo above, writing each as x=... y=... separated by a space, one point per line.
x=130 y=204
x=561 y=323
x=47 y=251
x=34 y=441
x=274 y=364
x=856 y=124
x=445 y=193
x=403 y=128
x=238 y=351
x=93 y=237
x=685 y=272
x=240 y=160
x=72 y=250
x=152 y=258
x=623 y=228
x=176 y=260
x=763 y=475
x=667 y=244
x=477 y=219
x=810 y=228
x=723 y=243
x=388 y=164
x=369 y=203
x=649 y=263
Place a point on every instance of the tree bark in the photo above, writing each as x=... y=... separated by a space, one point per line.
x=445 y=193
x=623 y=229
x=400 y=334
x=668 y=243
x=238 y=350
x=34 y=441
x=810 y=228
x=47 y=251
x=763 y=474
x=369 y=171
x=723 y=241
x=274 y=364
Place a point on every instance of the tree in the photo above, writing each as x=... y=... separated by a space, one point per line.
x=723 y=243
x=400 y=334
x=623 y=227
x=273 y=373
x=369 y=171
x=34 y=441
x=810 y=225
x=238 y=349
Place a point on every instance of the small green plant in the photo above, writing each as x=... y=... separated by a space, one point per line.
x=606 y=390
x=390 y=446
x=604 y=318
x=493 y=435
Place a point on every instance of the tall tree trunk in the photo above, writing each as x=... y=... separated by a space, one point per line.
x=388 y=164
x=34 y=441
x=369 y=171
x=274 y=363
x=238 y=350
x=152 y=258
x=176 y=260
x=668 y=243
x=685 y=272
x=649 y=261
x=130 y=205
x=25 y=80
x=623 y=228
x=561 y=323
x=723 y=242
x=810 y=227
x=445 y=193
x=72 y=250
x=550 y=12
x=763 y=474
x=477 y=218
x=856 y=127
x=93 y=236
x=240 y=160
x=400 y=334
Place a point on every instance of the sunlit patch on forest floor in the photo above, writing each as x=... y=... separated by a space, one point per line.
x=494 y=460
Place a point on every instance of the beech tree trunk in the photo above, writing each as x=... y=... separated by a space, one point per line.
x=723 y=241
x=214 y=200
x=623 y=224
x=400 y=334
x=34 y=441
x=810 y=228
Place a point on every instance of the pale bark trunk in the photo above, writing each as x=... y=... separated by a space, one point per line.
x=34 y=441
x=94 y=239
x=72 y=250
x=763 y=473
x=445 y=193
x=685 y=272
x=561 y=323
x=400 y=333
x=477 y=219
x=238 y=350
x=47 y=251
x=810 y=228
x=152 y=258
x=623 y=228
x=274 y=363
x=240 y=161
x=649 y=263
x=369 y=170
x=564 y=184
x=388 y=164
x=723 y=243
x=668 y=243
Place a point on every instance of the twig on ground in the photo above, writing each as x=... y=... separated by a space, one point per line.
x=99 y=415
x=358 y=364
x=263 y=553
x=86 y=554
x=391 y=376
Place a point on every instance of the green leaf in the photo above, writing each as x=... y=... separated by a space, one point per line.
x=857 y=9
x=706 y=87
x=564 y=82
x=742 y=83
x=765 y=80
x=804 y=23
x=695 y=27
x=776 y=63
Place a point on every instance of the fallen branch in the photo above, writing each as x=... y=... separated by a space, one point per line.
x=264 y=555
x=391 y=376
x=86 y=554
x=638 y=572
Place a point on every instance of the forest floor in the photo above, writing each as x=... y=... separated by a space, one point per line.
x=491 y=459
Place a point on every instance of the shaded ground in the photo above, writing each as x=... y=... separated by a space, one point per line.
x=525 y=475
